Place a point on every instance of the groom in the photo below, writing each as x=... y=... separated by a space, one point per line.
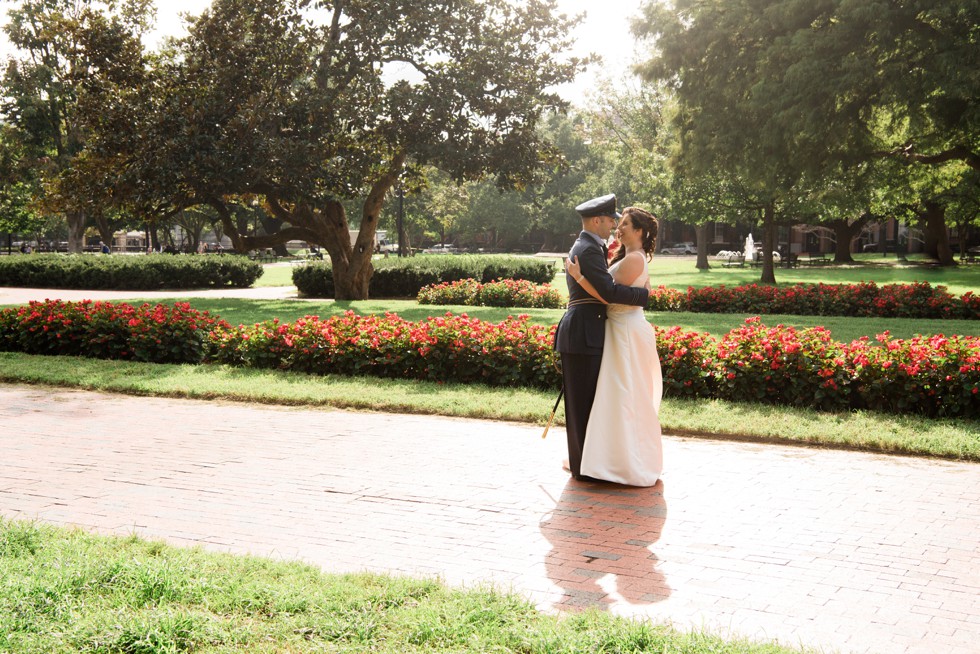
x=582 y=329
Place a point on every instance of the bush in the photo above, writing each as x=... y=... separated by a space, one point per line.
x=929 y=375
x=934 y=376
x=143 y=272
x=916 y=300
x=103 y=330
x=449 y=348
x=405 y=277
x=783 y=365
x=688 y=361
x=503 y=293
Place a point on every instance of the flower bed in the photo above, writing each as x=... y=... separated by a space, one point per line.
x=449 y=348
x=518 y=293
x=916 y=300
x=928 y=375
x=103 y=330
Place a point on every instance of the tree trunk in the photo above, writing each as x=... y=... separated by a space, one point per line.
x=273 y=226
x=701 y=234
x=768 y=244
x=76 y=231
x=105 y=233
x=326 y=226
x=845 y=232
x=936 y=235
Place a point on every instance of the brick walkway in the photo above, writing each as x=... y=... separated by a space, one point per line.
x=837 y=550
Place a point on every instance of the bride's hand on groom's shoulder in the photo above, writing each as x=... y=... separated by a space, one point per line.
x=573 y=268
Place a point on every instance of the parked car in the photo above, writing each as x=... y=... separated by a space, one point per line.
x=441 y=248
x=680 y=248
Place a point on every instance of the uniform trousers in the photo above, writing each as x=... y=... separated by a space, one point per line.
x=580 y=375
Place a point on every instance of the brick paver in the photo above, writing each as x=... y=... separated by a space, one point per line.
x=839 y=550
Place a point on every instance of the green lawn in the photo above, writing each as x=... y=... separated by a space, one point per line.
x=954 y=439
x=679 y=273
x=70 y=592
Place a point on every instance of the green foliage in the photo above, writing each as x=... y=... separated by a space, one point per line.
x=80 y=592
x=259 y=102
x=513 y=352
x=150 y=272
x=501 y=293
x=160 y=334
x=48 y=83
x=405 y=277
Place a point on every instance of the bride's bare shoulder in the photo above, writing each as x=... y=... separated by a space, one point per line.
x=630 y=268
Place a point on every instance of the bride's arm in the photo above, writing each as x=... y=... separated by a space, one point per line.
x=572 y=268
x=629 y=269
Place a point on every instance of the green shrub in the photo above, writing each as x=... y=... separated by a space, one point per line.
x=105 y=330
x=143 y=272
x=405 y=277
x=502 y=293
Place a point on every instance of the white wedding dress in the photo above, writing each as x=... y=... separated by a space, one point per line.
x=623 y=439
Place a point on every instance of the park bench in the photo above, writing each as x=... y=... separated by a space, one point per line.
x=735 y=261
x=813 y=259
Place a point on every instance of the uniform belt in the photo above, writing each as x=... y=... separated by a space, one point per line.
x=575 y=303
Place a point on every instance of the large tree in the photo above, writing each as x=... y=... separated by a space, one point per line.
x=257 y=101
x=63 y=47
x=784 y=91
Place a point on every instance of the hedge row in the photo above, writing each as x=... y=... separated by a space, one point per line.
x=502 y=293
x=866 y=299
x=927 y=375
x=405 y=277
x=143 y=272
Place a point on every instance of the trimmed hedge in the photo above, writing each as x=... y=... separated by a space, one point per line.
x=142 y=272
x=405 y=277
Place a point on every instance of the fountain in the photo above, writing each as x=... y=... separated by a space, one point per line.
x=749 y=248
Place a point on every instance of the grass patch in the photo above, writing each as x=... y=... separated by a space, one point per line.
x=952 y=439
x=681 y=273
x=276 y=274
x=68 y=591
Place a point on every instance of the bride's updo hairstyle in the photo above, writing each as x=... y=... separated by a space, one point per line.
x=645 y=221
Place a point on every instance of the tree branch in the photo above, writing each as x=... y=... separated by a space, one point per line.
x=956 y=153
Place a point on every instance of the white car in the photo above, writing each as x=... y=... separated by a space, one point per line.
x=441 y=248
x=680 y=248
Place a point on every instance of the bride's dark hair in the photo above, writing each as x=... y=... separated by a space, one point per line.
x=646 y=221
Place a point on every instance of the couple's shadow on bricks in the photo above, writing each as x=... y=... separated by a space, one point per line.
x=601 y=537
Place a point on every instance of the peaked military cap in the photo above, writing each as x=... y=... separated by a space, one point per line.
x=601 y=206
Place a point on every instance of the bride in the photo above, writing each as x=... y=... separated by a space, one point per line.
x=622 y=441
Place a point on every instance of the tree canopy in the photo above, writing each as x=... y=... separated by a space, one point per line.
x=259 y=102
x=782 y=95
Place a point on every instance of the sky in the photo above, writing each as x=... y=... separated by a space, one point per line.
x=604 y=31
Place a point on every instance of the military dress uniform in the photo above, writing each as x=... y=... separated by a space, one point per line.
x=582 y=330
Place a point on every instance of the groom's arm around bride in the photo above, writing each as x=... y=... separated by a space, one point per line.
x=581 y=331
